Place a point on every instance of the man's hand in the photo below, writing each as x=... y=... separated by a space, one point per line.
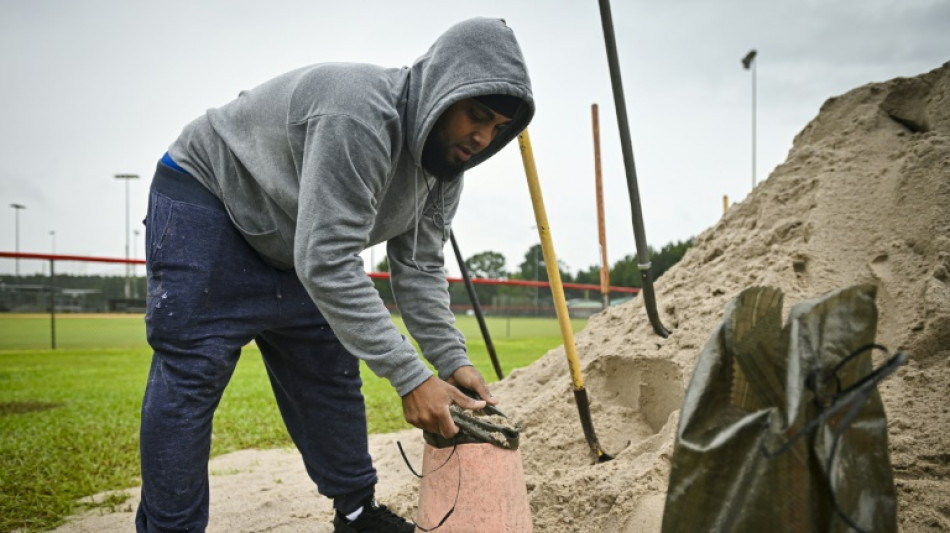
x=471 y=379
x=427 y=406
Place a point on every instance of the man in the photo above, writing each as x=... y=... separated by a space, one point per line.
x=257 y=216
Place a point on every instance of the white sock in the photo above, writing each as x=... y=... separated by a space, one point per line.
x=354 y=515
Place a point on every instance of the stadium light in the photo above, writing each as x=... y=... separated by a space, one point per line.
x=536 y=279
x=135 y=246
x=16 y=216
x=748 y=62
x=127 y=178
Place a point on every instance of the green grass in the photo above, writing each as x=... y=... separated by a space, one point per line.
x=69 y=418
x=76 y=332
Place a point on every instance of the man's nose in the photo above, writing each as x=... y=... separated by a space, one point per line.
x=482 y=137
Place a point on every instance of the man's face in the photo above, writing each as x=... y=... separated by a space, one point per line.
x=466 y=128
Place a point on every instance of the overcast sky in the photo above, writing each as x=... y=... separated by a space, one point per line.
x=93 y=88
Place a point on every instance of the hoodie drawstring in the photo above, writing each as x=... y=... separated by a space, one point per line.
x=415 y=220
x=437 y=218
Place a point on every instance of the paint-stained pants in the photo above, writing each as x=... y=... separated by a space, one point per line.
x=210 y=294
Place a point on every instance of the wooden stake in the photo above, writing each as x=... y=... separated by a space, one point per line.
x=601 y=227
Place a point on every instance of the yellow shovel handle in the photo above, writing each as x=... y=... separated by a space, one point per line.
x=550 y=260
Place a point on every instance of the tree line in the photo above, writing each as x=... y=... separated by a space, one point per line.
x=492 y=265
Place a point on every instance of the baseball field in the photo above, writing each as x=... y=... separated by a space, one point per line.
x=69 y=416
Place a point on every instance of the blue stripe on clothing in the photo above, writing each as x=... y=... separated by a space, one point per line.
x=167 y=160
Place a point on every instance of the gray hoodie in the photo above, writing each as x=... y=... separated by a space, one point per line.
x=318 y=164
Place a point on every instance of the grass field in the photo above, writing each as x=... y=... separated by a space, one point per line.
x=69 y=417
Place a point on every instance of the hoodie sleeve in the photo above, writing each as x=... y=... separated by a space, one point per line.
x=419 y=283
x=344 y=166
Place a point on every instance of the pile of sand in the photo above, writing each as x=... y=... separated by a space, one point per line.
x=864 y=197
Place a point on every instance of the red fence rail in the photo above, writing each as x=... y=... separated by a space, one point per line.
x=52 y=258
x=60 y=257
x=375 y=275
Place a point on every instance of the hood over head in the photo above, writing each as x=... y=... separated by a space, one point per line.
x=476 y=57
x=505 y=104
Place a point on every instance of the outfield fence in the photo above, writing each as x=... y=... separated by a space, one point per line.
x=115 y=292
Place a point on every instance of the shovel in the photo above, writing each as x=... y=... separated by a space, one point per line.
x=560 y=304
x=639 y=233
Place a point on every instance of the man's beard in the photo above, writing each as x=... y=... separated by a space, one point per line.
x=435 y=157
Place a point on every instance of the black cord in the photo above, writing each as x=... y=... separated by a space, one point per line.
x=846 y=397
x=458 y=489
x=855 y=396
x=438 y=204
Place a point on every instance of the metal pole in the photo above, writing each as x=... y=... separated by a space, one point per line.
x=537 y=311
x=473 y=296
x=643 y=251
x=128 y=270
x=135 y=255
x=753 y=125
x=601 y=226
x=749 y=62
x=16 y=223
x=127 y=254
x=52 y=304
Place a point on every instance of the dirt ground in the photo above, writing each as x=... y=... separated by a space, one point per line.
x=863 y=197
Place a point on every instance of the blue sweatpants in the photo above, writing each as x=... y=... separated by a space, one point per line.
x=210 y=294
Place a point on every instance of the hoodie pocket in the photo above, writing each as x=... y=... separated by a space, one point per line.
x=270 y=245
x=186 y=243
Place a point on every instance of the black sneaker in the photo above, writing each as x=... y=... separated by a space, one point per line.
x=375 y=518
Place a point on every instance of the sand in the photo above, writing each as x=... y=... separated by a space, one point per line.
x=863 y=197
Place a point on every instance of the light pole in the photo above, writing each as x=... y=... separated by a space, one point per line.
x=536 y=247
x=748 y=62
x=536 y=303
x=135 y=246
x=16 y=216
x=127 y=178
